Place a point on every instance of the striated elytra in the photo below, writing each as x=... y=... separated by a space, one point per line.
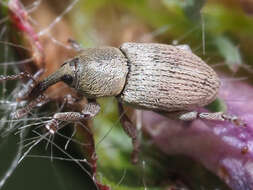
x=165 y=77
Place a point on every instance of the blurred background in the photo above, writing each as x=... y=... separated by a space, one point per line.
x=34 y=35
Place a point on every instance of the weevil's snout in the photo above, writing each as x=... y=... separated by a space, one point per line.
x=65 y=73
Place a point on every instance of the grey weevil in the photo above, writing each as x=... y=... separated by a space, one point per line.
x=163 y=78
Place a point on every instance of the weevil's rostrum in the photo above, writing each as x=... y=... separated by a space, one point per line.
x=164 y=77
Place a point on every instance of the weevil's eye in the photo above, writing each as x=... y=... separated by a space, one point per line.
x=68 y=79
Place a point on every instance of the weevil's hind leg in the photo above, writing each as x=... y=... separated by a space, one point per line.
x=75 y=45
x=216 y=116
x=89 y=111
x=220 y=116
x=131 y=131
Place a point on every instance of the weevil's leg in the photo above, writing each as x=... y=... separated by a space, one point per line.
x=220 y=116
x=40 y=100
x=131 y=131
x=216 y=116
x=68 y=100
x=75 y=45
x=23 y=94
x=89 y=111
x=22 y=75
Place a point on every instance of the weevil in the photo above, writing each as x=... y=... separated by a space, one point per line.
x=163 y=78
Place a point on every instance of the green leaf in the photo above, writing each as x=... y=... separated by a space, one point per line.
x=217 y=106
x=230 y=52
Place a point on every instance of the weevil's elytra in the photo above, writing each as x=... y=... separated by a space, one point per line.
x=163 y=78
x=167 y=78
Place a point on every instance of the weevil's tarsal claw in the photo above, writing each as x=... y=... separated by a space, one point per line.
x=216 y=116
x=234 y=119
x=220 y=116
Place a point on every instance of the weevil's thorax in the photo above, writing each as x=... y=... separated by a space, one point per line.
x=101 y=72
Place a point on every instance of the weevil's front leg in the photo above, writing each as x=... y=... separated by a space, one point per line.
x=131 y=131
x=40 y=100
x=89 y=111
x=216 y=116
x=22 y=75
x=24 y=93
